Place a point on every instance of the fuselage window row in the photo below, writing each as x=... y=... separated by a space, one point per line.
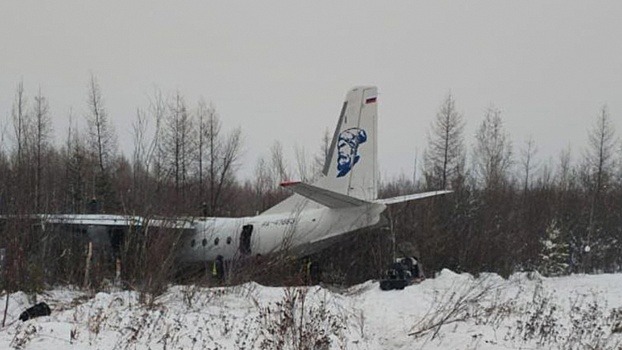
x=193 y=243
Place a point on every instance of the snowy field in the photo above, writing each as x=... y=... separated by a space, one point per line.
x=450 y=311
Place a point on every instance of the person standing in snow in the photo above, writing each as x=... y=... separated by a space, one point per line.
x=218 y=269
x=414 y=267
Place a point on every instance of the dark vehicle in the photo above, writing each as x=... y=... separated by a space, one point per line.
x=401 y=273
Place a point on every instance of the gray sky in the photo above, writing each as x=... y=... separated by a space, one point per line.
x=280 y=70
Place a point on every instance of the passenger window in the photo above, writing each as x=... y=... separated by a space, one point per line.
x=228 y=240
x=216 y=241
x=204 y=242
x=193 y=243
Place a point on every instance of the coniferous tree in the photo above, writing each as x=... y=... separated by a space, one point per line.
x=554 y=252
x=445 y=156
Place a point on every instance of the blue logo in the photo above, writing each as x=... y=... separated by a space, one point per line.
x=347 y=149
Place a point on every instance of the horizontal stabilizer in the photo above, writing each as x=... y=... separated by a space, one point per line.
x=325 y=197
x=410 y=197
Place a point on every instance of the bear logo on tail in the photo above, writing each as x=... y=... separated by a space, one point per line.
x=347 y=149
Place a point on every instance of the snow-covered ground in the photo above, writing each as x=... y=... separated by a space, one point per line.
x=451 y=311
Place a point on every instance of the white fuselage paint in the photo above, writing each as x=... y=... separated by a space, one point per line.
x=273 y=233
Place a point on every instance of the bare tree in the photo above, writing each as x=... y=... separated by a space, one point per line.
x=210 y=148
x=139 y=127
x=493 y=150
x=564 y=175
x=209 y=130
x=101 y=142
x=262 y=185
x=20 y=121
x=42 y=133
x=320 y=157
x=5 y=168
x=76 y=171
x=223 y=154
x=213 y=133
x=599 y=160
x=305 y=171
x=527 y=161
x=226 y=166
x=155 y=153
x=597 y=173
x=140 y=158
x=445 y=156
x=178 y=143
x=309 y=167
x=22 y=175
x=279 y=166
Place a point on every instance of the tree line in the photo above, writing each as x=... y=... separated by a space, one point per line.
x=511 y=212
x=508 y=210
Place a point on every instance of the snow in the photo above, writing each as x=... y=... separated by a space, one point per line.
x=450 y=311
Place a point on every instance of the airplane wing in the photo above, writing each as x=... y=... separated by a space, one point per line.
x=323 y=196
x=411 y=197
x=104 y=220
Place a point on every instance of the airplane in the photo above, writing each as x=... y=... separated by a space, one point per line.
x=342 y=200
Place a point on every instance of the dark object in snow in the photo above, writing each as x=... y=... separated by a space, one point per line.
x=401 y=273
x=396 y=277
x=38 y=310
x=391 y=284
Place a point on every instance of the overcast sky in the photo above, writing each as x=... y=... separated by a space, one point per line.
x=280 y=70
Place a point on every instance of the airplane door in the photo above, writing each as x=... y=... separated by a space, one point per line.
x=245 y=239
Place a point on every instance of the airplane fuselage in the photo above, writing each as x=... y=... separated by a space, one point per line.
x=302 y=232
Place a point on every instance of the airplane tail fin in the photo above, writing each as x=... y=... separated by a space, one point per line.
x=351 y=165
